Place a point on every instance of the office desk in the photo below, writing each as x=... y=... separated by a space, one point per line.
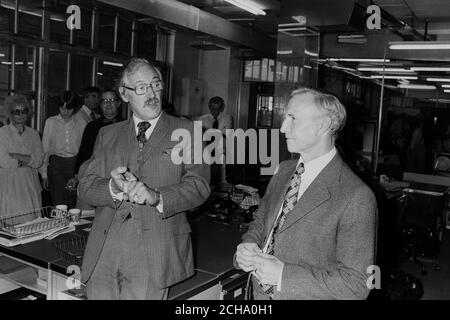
x=214 y=245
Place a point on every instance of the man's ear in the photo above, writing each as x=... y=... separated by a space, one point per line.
x=325 y=125
x=123 y=94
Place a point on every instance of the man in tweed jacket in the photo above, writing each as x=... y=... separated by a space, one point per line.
x=327 y=240
x=140 y=241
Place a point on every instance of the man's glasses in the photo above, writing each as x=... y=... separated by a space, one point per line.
x=18 y=112
x=109 y=100
x=142 y=88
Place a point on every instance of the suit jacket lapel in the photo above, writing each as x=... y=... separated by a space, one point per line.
x=127 y=140
x=160 y=131
x=316 y=194
x=284 y=175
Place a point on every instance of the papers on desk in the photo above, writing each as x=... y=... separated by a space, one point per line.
x=8 y=241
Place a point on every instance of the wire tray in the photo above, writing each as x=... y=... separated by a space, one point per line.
x=72 y=249
x=33 y=222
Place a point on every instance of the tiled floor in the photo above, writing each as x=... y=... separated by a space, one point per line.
x=436 y=284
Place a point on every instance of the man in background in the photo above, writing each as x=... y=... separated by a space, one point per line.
x=217 y=119
x=109 y=104
x=88 y=112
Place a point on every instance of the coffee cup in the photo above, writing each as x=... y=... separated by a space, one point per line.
x=75 y=215
x=59 y=211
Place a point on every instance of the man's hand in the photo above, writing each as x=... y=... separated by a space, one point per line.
x=72 y=184
x=245 y=253
x=268 y=268
x=122 y=181
x=141 y=194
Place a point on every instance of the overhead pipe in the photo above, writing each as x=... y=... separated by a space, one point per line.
x=192 y=18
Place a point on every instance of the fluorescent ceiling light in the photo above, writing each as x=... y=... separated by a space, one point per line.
x=284 y=52
x=2 y=55
x=443 y=69
x=247 y=6
x=439 y=79
x=445 y=86
x=307 y=67
x=310 y=53
x=116 y=64
x=359 y=60
x=447 y=91
x=99 y=73
x=384 y=69
x=395 y=77
x=419 y=45
x=440 y=100
x=416 y=86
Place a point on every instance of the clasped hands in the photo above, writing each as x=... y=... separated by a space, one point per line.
x=265 y=267
x=133 y=190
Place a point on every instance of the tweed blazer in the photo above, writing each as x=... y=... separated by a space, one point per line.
x=328 y=239
x=182 y=186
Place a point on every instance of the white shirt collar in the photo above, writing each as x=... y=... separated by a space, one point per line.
x=316 y=165
x=152 y=122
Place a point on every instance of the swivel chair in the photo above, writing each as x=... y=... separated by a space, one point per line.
x=422 y=226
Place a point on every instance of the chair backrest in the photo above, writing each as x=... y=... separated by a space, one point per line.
x=423 y=208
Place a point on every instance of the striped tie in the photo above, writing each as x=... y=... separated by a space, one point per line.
x=289 y=202
x=141 y=138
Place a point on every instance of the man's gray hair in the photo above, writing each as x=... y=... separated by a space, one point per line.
x=328 y=103
x=133 y=65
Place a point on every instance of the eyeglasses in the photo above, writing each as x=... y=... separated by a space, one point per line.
x=18 y=112
x=142 y=88
x=109 y=100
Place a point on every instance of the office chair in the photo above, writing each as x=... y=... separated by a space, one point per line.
x=422 y=221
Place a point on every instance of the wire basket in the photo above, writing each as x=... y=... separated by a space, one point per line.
x=72 y=249
x=33 y=222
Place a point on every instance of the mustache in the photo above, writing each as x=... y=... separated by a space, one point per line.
x=154 y=101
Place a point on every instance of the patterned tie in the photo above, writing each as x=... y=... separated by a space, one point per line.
x=290 y=199
x=92 y=115
x=215 y=123
x=141 y=138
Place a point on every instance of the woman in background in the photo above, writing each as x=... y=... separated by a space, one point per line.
x=61 y=140
x=21 y=154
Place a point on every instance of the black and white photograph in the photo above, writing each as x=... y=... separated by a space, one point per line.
x=219 y=156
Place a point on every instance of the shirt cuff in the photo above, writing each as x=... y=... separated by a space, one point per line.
x=280 y=277
x=160 y=207
x=115 y=196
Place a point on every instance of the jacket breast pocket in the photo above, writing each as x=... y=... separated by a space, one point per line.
x=317 y=228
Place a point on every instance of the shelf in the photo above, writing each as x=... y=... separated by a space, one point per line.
x=25 y=277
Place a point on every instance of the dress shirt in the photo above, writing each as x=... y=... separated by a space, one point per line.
x=225 y=121
x=153 y=122
x=84 y=114
x=312 y=170
x=61 y=138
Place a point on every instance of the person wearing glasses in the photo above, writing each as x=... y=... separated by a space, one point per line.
x=109 y=104
x=140 y=242
x=61 y=140
x=21 y=154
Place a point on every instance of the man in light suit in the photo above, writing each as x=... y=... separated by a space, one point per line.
x=140 y=240
x=314 y=233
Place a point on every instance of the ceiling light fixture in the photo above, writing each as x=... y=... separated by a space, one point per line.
x=439 y=79
x=284 y=52
x=416 y=86
x=247 y=6
x=359 y=60
x=115 y=64
x=419 y=45
x=384 y=69
x=445 y=86
x=443 y=69
x=395 y=77
x=447 y=91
